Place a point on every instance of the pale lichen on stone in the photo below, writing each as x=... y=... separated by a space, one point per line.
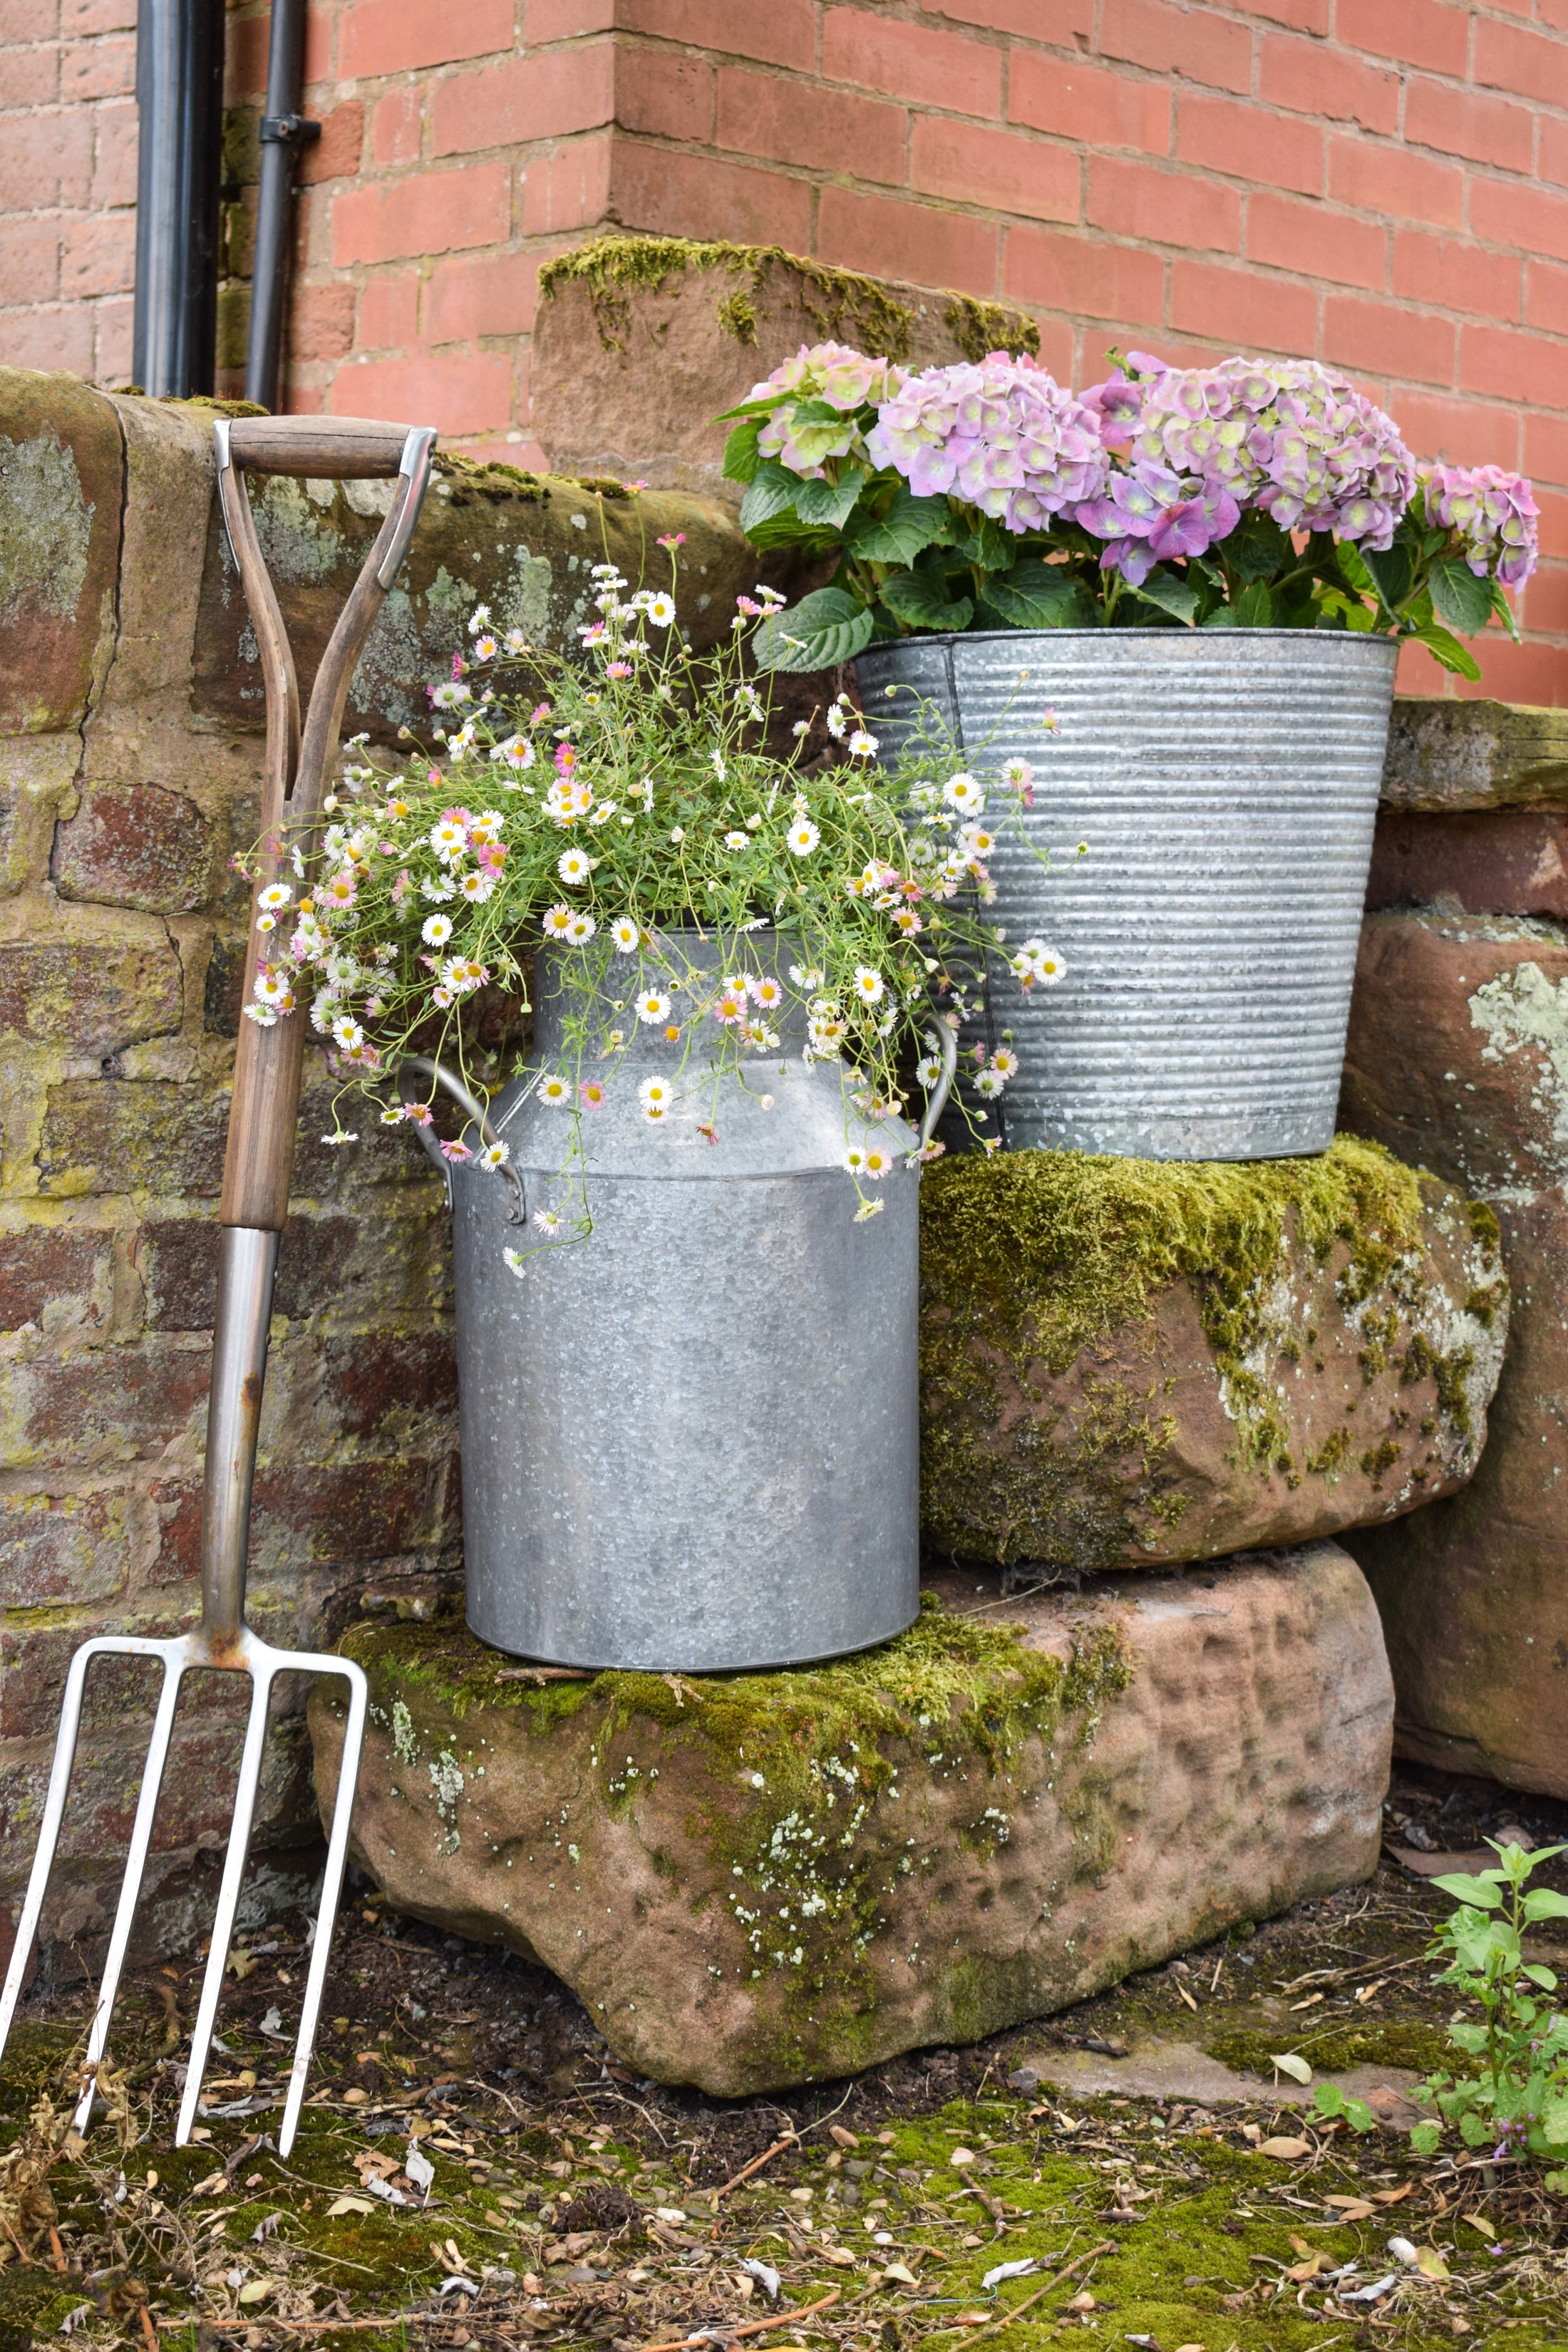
x=46 y=526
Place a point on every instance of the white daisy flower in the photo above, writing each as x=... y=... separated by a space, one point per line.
x=477 y=886
x=554 y=1088
x=990 y=1084
x=517 y=752
x=803 y=837
x=656 y=1094
x=339 y=890
x=435 y=930
x=394 y=1116
x=652 y=1006
x=862 y=746
x=558 y=921
x=495 y=1155
x=485 y=649
x=512 y=1259
x=276 y=894
x=737 y=841
x=928 y=1070
x=877 y=1161
x=347 y=1031
x=448 y=839
x=869 y=985
x=965 y=793
x=480 y=618
x=1005 y=1062
x=837 y=723
x=661 y=610
x=451 y=694
x=855 y=1161
x=440 y=890
x=766 y=992
x=575 y=865
x=548 y=1222
x=581 y=929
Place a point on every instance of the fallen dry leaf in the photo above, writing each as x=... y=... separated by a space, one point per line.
x=1394 y=2196
x=1287 y=2151
x=1430 y=2262
x=349 y=2205
x=1353 y=2209
x=900 y=2271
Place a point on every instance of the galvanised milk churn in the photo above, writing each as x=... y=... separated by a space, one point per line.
x=690 y=1438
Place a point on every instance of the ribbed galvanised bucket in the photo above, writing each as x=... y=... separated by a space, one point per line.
x=1225 y=782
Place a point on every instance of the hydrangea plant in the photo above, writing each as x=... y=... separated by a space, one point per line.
x=1255 y=494
x=605 y=803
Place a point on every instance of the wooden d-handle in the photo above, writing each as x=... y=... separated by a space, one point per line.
x=351 y=449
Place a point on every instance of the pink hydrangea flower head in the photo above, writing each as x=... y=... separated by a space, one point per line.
x=999 y=432
x=1495 y=514
x=839 y=378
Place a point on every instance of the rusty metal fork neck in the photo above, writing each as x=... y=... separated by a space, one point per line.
x=245 y=1268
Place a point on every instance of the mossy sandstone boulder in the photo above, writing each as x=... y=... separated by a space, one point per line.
x=1131 y=1361
x=765 y=1879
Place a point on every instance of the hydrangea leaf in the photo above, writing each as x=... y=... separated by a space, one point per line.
x=1035 y=595
x=740 y=457
x=1446 y=649
x=1177 y=597
x=1253 y=606
x=828 y=503
x=910 y=525
x=826 y=629
x=1505 y=611
x=922 y=598
x=1259 y=549
x=1464 y=600
x=770 y=491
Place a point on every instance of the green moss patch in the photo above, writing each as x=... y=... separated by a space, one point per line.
x=1334 y=2047
x=842 y=305
x=1030 y=1259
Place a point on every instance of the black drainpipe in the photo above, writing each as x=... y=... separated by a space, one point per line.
x=179 y=98
x=284 y=131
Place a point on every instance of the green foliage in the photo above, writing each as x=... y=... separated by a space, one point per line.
x=1330 y=2101
x=1516 y=2095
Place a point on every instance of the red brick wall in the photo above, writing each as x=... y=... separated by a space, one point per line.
x=1383 y=184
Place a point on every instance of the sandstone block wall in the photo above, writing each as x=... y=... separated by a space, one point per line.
x=130 y=758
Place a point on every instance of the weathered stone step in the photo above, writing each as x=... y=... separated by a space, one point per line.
x=768 y=1879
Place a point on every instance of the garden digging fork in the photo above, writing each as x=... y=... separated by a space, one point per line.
x=263 y=1114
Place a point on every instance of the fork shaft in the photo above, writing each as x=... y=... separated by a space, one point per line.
x=245 y=1268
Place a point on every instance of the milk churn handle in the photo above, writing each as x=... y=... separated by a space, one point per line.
x=421 y=1065
x=947 y=1046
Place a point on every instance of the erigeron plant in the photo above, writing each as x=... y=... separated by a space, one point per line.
x=1259 y=493
x=599 y=803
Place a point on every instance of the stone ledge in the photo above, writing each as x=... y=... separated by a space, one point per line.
x=1444 y=754
x=764 y=1880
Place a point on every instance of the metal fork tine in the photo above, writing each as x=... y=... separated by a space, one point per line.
x=332 y=1889
x=48 y=1835
x=130 y=1885
x=228 y=1892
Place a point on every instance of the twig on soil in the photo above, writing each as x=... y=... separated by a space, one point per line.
x=752 y=2327
x=1007 y=2318
x=755 y=2165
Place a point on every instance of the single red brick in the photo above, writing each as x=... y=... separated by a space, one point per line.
x=337 y=152
x=384 y=36
x=787 y=121
x=128 y=1135
x=321 y=321
x=1163 y=207
x=1553 y=525
x=29 y=261
x=1391 y=180
x=460 y=392
x=665 y=94
x=1545 y=449
x=100 y=68
x=1545 y=604
x=114 y=1404
x=30 y=77
x=1460 y=431
x=389 y=313
x=924 y=67
x=1242 y=307
x=560 y=20
x=783 y=33
x=49 y=338
x=675 y=195
x=29 y=20
x=114 y=155
x=1545 y=296
x=1430 y=33
x=427 y=211
x=486 y=296
x=1096 y=279
x=1195 y=45
x=46 y=159
x=69 y=1268
x=1501 y=360
x=1458 y=122
x=1380 y=338
x=112 y=322
x=1510 y=673
x=1316 y=242
x=1250 y=142
x=970 y=162
x=97 y=994
x=397 y=125
x=1551 y=153
x=1088 y=104
x=1449 y=275
x=570 y=187
x=920 y=244
x=80 y=18
x=523 y=99
x=1060 y=23
x=375 y=1378
x=1533 y=65
x=1308 y=79
x=1526 y=217
x=361 y=1510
